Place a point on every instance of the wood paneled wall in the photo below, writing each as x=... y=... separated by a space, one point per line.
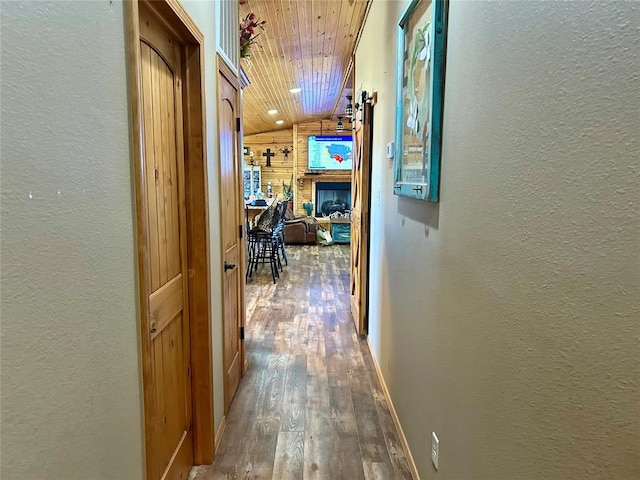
x=280 y=170
x=295 y=138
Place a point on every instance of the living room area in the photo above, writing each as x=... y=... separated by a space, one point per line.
x=308 y=166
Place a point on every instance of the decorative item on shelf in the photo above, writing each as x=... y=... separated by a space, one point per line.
x=286 y=151
x=287 y=190
x=340 y=125
x=248 y=33
x=308 y=208
x=268 y=153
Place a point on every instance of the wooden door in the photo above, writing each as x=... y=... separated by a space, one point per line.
x=230 y=201
x=360 y=202
x=168 y=387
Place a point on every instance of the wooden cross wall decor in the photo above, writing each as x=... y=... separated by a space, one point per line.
x=286 y=151
x=268 y=154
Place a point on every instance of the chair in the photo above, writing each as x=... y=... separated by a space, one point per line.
x=282 y=212
x=265 y=244
x=300 y=230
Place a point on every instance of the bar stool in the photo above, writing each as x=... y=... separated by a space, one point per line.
x=264 y=244
x=282 y=211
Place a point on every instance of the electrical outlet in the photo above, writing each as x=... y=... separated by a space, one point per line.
x=435 y=449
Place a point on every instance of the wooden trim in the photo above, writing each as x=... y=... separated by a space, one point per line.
x=361 y=29
x=366 y=167
x=186 y=21
x=228 y=65
x=297 y=201
x=199 y=260
x=394 y=415
x=244 y=79
x=243 y=239
x=132 y=22
x=343 y=85
x=229 y=74
x=220 y=432
x=197 y=226
x=328 y=177
x=177 y=20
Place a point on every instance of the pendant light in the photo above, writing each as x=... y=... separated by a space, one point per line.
x=349 y=110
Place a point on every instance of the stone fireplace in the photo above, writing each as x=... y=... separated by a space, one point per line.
x=332 y=197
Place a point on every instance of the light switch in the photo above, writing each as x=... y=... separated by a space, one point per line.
x=435 y=449
x=390 y=149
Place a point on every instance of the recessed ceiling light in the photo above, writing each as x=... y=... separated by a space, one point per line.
x=279 y=122
x=273 y=111
x=295 y=90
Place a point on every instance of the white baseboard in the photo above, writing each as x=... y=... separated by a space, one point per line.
x=394 y=415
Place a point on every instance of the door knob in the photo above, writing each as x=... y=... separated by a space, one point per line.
x=229 y=266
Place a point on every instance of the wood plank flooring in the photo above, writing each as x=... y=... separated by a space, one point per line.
x=310 y=405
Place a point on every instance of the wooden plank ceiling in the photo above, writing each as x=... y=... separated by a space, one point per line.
x=307 y=44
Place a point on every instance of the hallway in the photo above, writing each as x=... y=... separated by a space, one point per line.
x=310 y=405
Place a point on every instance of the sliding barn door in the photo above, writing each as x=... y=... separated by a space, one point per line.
x=361 y=201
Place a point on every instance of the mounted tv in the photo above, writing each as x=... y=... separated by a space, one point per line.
x=330 y=152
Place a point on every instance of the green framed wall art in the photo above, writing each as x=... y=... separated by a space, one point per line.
x=421 y=51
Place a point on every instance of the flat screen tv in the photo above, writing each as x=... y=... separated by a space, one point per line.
x=330 y=152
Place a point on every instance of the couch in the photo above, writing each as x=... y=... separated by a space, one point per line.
x=299 y=230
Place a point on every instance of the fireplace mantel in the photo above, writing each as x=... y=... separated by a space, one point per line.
x=328 y=177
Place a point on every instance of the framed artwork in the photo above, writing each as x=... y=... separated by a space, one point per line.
x=420 y=58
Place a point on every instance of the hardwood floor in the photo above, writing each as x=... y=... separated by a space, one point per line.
x=310 y=405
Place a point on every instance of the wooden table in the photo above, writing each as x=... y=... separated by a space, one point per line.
x=254 y=211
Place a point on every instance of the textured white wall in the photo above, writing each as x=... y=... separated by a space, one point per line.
x=511 y=328
x=70 y=379
x=203 y=13
x=70 y=368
